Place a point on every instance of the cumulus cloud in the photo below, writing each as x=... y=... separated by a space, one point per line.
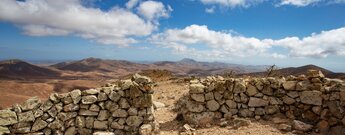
x=131 y=3
x=225 y=44
x=232 y=3
x=63 y=17
x=187 y=41
x=152 y=10
x=298 y=3
x=322 y=44
x=210 y=10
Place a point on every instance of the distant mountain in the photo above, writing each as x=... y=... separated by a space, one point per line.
x=188 y=66
x=301 y=70
x=98 y=65
x=17 y=69
x=183 y=67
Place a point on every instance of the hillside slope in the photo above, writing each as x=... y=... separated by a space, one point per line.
x=17 y=69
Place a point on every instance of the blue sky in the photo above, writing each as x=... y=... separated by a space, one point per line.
x=256 y=32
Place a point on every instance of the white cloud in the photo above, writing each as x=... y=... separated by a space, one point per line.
x=152 y=10
x=232 y=3
x=189 y=40
x=298 y=3
x=131 y=3
x=224 y=43
x=62 y=17
x=210 y=10
x=322 y=44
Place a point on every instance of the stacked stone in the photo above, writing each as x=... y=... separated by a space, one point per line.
x=312 y=99
x=124 y=108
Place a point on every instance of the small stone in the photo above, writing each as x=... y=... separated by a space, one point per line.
x=102 y=125
x=141 y=79
x=251 y=90
x=290 y=85
x=37 y=113
x=46 y=105
x=71 y=107
x=311 y=97
x=4 y=130
x=80 y=121
x=103 y=115
x=124 y=103
x=209 y=96
x=231 y=104
x=145 y=129
x=284 y=127
x=323 y=126
x=38 y=125
x=90 y=99
x=132 y=111
x=71 y=131
x=31 y=103
x=293 y=94
x=89 y=122
x=157 y=105
x=196 y=88
x=90 y=92
x=94 y=108
x=7 y=117
x=315 y=74
x=288 y=100
x=102 y=96
x=54 y=98
x=116 y=125
x=120 y=113
x=212 y=105
x=114 y=96
x=84 y=112
x=278 y=120
x=26 y=116
x=246 y=113
x=301 y=126
x=103 y=133
x=76 y=96
x=134 y=121
x=194 y=107
x=56 y=125
x=198 y=97
x=303 y=85
x=257 y=102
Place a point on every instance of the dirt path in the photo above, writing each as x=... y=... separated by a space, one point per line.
x=168 y=92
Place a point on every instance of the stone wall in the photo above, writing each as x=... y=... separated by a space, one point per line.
x=309 y=103
x=123 y=108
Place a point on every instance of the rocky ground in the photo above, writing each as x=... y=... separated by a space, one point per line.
x=168 y=92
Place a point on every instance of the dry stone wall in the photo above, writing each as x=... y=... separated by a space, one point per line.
x=124 y=108
x=310 y=102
